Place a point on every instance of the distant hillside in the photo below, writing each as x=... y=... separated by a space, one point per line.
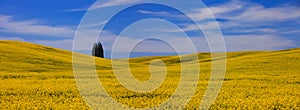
x=257 y=59
x=17 y=56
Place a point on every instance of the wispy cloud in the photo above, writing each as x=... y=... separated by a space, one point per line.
x=257 y=42
x=199 y=15
x=259 y=13
x=205 y=13
x=110 y=3
x=106 y=3
x=62 y=44
x=255 y=21
x=205 y=26
x=233 y=43
x=162 y=14
x=245 y=42
x=33 y=27
x=227 y=7
x=10 y=38
x=91 y=25
x=202 y=13
x=242 y=17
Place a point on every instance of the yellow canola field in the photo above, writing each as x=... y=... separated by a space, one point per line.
x=40 y=77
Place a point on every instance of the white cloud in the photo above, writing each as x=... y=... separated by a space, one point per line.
x=252 y=16
x=248 y=19
x=62 y=44
x=110 y=3
x=126 y=44
x=210 y=12
x=107 y=3
x=248 y=11
x=290 y=31
x=228 y=7
x=33 y=27
x=162 y=14
x=93 y=25
x=259 y=13
x=257 y=42
x=246 y=42
x=205 y=26
x=10 y=38
x=86 y=38
x=202 y=13
x=246 y=16
x=233 y=43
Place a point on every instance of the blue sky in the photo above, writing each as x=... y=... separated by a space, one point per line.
x=246 y=25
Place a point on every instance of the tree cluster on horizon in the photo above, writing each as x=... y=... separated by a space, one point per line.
x=98 y=50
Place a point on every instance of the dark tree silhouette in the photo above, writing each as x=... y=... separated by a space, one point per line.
x=98 y=50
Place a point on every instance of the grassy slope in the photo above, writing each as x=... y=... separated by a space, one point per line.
x=18 y=56
x=39 y=76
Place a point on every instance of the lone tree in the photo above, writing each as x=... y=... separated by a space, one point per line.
x=98 y=50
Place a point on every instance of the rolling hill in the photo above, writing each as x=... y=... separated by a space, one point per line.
x=36 y=76
x=17 y=56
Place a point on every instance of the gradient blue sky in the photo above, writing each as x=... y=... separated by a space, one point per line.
x=246 y=25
